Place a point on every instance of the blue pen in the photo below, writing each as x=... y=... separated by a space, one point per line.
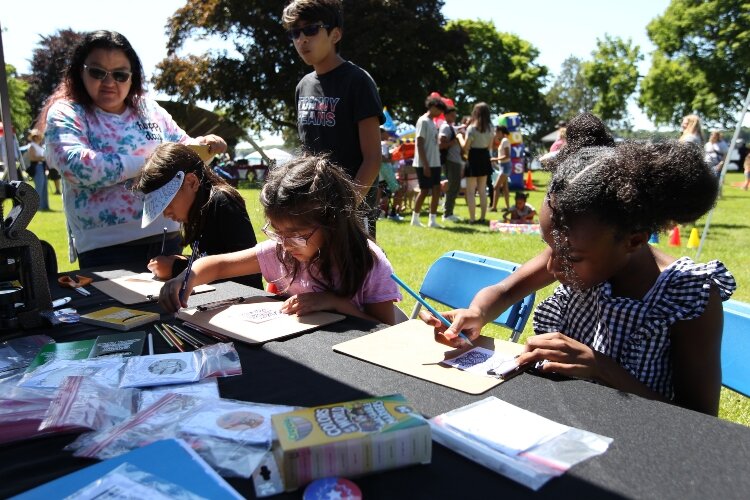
x=428 y=306
x=194 y=245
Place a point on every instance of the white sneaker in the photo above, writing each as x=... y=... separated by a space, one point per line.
x=433 y=221
x=415 y=220
x=452 y=218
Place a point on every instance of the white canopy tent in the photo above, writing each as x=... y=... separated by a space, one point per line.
x=279 y=155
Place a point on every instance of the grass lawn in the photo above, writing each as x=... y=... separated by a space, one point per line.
x=412 y=250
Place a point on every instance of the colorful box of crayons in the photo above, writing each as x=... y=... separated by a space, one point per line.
x=350 y=439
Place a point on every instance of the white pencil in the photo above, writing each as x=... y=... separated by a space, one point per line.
x=150 y=344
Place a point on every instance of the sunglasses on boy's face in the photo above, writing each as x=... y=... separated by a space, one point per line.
x=309 y=30
x=118 y=75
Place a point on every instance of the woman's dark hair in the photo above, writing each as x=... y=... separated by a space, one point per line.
x=312 y=191
x=480 y=117
x=71 y=85
x=634 y=186
x=161 y=167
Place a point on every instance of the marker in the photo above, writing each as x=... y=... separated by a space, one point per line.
x=150 y=344
x=60 y=302
x=428 y=306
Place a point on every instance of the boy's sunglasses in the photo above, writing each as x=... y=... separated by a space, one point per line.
x=309 y=30
x=118 y=75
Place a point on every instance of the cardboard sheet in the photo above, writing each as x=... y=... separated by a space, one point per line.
x=410 y=348
x=137 y=288
x=256 y=320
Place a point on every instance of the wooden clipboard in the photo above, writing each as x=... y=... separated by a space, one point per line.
x=410 y=348
x=244 y=322
x=137 y=288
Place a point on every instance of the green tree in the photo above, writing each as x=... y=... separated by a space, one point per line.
x=498 y=68
x=20 y=111
x=394 y=41
x=570 y=94
x=701 y=63
x=49 y=59
x=612 y=75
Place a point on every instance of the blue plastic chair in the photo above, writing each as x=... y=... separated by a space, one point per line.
x=735 y=347
x=456 y=277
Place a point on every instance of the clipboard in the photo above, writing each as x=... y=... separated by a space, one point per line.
x=137 y=288
x=254 y=320
x=410 y=348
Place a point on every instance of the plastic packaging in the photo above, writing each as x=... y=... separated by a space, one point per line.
x=105 y=371
x=217 y=360
x=82 y=403
x=232 y=436
x=18 y=353
x=205 y=389
x=21 y=410
x=128 y=482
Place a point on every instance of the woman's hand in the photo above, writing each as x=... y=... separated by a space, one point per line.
x=563 y=355
x=216 y=145
x=169 y=297
x=161 y=266
x=468 y=321
x=306 y=303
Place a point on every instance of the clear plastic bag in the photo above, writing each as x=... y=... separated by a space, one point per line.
x=106 y=371
x=128 y=482
x=232 y=436
x=217 y=360
x=84 y=404
x=205 y=389
x=156 y=422
x=21 y=410
x=18 y=353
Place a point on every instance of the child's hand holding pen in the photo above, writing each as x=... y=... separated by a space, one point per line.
x=462 y=320
x=161 y=266
x=169 y=296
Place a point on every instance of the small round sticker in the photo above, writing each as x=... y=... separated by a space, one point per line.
x=332 y=487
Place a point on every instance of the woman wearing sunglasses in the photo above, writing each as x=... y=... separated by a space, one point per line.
x=100 y=127
x=317 y=254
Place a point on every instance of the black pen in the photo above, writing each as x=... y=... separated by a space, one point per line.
x=163 y=241
x=194 y=245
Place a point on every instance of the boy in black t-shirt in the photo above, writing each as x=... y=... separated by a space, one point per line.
x=338 y=107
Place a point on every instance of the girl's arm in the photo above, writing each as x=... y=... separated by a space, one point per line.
x=696 y=358
x=207 y=270
x=492 y=300
x=306 y=303
x=69 y=150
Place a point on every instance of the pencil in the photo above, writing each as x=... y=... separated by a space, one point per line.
x=214 y=335
x=188 y=335
x=194 y=245
x=173 y=341
x=174 y=332
x=164 y=336
x=163 y=241
x=150 y=344
x=428 y=306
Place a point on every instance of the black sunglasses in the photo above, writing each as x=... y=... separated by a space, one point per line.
x=118 y=75
x=309 y=30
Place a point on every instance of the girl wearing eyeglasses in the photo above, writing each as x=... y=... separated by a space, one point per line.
x=100 y=128
x=180 y=186
x=318 y=253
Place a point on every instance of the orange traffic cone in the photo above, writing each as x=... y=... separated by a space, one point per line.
x=674 y=237
x=694 y=241
x=529 y=183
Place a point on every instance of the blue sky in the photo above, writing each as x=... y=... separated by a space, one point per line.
x=558 y=29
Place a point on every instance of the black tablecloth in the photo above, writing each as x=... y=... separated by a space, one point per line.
x=659 y=451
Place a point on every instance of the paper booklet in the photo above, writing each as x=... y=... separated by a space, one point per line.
x=119 y=318
x=254 y=319
x=137 y=288
x=410 y=348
